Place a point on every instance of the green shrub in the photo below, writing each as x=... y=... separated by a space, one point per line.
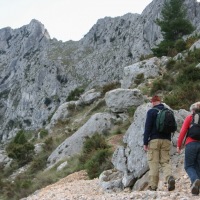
x=95 y=154
x=193 y=56
x=144 y=57
x=139 y=78
x=75 y=94
x=131 y=110
x=99 y=162
x=49 y=144
x=47 y=101
x=20 y=138
x=183 y=96
x=189 y=74
x=191 y=40
x=180 y=65
x=38 y=163
x=110 y=86
x=180 y=45
x=97 y=141
x=170 y=64
x=158 y=85
x=163 y=49
x=20 y=149
x=72 y=107
x=117 y=131
x=43 y=133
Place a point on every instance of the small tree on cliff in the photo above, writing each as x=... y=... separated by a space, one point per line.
x=20 y=149
x=174 y=25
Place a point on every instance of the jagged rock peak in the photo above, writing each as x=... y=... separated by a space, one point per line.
x=37 y=27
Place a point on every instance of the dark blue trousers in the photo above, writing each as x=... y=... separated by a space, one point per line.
x=192 y=160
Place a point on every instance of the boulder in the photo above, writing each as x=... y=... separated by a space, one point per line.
x=61 y=166
x=111 y=180
x=99 y=123
x=88 y=97
x=119 y=100
x=141 y=70
x=62 y=113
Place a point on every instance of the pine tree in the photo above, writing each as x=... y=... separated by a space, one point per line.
x=174 y=25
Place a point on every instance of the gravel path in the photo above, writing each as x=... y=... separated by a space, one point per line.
x=77 y=187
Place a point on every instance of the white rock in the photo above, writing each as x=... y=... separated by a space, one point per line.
x=119 y=100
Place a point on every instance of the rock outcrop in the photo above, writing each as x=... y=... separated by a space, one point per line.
x=99 y=123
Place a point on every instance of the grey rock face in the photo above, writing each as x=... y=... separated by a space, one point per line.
x=111 y=180
x=4 y=159
x=98 y=123
x=145 y=69
x=21 y=98
x=62 y=113
x=119 y=100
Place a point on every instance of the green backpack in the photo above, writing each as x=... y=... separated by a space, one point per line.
x=165 y=121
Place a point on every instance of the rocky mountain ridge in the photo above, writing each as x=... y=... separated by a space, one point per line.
x=37 y=73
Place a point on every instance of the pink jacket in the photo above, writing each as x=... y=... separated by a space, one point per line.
x=183 y=132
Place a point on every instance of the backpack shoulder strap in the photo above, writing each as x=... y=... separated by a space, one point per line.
x=157 y=109
x=196 y=118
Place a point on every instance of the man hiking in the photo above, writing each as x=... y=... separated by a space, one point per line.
x=157 y=145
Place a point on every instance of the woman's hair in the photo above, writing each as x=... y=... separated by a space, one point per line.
x=195 y=107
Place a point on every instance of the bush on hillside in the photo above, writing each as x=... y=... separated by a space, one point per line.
x=96 y=155
x=75 y=94
x=193 y=56
x=164 y=48
x=38 y=163
x=139 y=78
x=189 y=74
x=97 y=141
x=191 y=40
x=99 y=162
x=183 y=96
x=20 y=149
x=158 y=85
x=180 y=45
x=110 y=86
x=170 y=64
x=43 y=133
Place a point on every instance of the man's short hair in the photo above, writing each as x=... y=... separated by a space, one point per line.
x=155 y=98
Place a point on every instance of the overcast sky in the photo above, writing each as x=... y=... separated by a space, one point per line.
x=65 y=19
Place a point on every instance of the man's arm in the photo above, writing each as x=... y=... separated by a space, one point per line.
x=148 y=128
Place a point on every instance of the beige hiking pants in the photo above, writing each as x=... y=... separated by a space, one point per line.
x=158 y=156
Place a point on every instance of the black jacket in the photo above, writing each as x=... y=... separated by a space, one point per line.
x=150 y=131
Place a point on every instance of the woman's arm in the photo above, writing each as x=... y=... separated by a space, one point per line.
x=183 y=131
